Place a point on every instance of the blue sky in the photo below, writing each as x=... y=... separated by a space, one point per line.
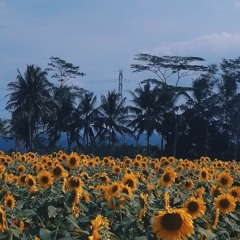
x=103 y=36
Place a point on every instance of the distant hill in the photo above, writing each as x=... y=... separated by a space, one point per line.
x=9 y=145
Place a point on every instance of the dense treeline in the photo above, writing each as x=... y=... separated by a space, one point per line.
x=201 y=119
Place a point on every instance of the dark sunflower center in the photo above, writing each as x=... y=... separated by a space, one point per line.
x=117 y=170
x=204 y=174
x=85 y=176
x=30 y=182
x=129 y=182
x=103 y=178
x=234 y=194
x=193 y=207
x=23 y=178
x=224 y=203
x=172 y=221
x=9 y=203
x=187 y=184
x=114 y=189
x=224 y=181
x=166 y=177
x=57 y=171
x=45 y=179
x=72 y=161
x=125 y=190
x=74 y=183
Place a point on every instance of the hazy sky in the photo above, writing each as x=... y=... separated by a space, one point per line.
x=103 y=36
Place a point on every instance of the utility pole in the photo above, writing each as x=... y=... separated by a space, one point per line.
x=120 y=79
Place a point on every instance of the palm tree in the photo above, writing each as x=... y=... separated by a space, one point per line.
x=29 y=98
x=4 y=128
x=61 y=119
x=86 y=113
x=113 y=117
x=146 y=111
x=201 y=114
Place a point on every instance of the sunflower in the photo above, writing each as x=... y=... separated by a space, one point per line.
x=235 y=192
x=144 y=165
x=85 y=176
x=172 y=224
x=114 y=189
x=116 y=170
x=91 y=163
x=196 y=207
x=30 y=180
x=225 y=180
x=168 y=177
x=203 y=174
x=22 y=180
x=225 y=203
x=74 y=182
x=58 y=172
x=9 y=201
x=137 y=164
x=187 y=184
x=106 y=161
x=73 y=161
x=98 y=224
x=21 y=169
x=215 y=191
x=130 y=180
x=126 y=192
x=45 y=179
x=138 y=157
x=104 y=178
x=199 y=192
x=2 y=220
x=171 y=160
x=127 y=162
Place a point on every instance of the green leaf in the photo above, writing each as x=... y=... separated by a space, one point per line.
x=141 y=238
x=72 y=220
x=84 y=219
x=127 y=221
x=16 y=231
x=234 y=216
x=207 y=233
x=45 y=234
x=52 y=211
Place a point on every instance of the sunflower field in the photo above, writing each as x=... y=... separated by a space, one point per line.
x=77 y=196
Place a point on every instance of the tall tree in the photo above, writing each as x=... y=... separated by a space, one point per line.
x=63 y=71
x=29 y=99
x=145 y=112
x=229 y=92
x=168 y=71
x=87 y=112
x=4 y=128
x=113 y=116
x=201 y=116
